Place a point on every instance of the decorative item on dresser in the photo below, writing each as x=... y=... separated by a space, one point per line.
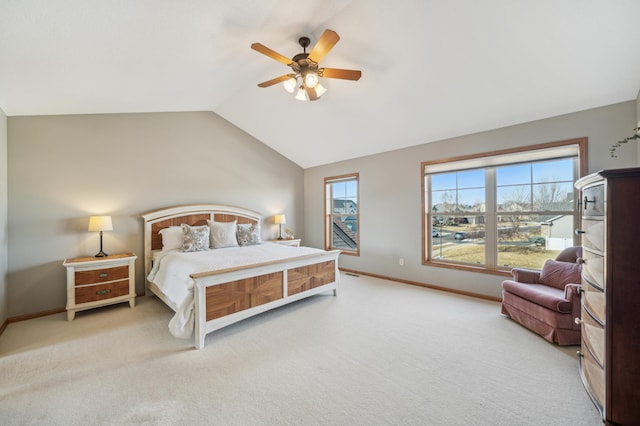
x=610 y=353
x=100 y=281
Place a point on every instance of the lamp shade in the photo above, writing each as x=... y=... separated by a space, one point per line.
x=100 y=223
x=320 y=90
x=302 y=94
x=290 y=84
x=311 y=79
x=279 y=219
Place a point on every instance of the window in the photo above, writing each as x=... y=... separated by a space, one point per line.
x=342 y=214
x=505 y=209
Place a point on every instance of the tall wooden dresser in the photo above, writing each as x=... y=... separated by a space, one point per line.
x=610 y=352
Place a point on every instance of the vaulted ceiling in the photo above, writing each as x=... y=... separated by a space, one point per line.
x=431 y=69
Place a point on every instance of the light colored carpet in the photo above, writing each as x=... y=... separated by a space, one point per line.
x=381 y=353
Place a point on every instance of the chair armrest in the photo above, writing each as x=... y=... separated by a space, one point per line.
x=529 y=276
x=572 y=291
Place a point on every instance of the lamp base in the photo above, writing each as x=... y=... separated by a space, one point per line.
x=101 y=253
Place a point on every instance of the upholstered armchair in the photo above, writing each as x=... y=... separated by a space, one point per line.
x=547 y=302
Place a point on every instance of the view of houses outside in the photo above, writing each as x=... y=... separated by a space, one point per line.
x=532 y=214
x=343 y=215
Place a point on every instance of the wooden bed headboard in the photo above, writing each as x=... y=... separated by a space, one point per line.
x=197 y=214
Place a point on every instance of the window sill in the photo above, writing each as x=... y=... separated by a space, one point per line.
x=468 y=268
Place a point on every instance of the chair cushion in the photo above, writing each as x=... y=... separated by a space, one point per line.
x=540 y=294
x=558 y=274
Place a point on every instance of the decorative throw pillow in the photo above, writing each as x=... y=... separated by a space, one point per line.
x=558 y=274
x=171 y=238
x=249 y=234
x=196 y=238
x=223 y=234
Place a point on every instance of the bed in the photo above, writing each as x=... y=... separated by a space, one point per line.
x=211 y=288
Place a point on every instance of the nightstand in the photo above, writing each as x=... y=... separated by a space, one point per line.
x=100 y=281
x=294 y=243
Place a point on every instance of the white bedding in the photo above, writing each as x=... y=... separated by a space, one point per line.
x=171 y=270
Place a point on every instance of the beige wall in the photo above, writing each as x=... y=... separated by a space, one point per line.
x=61 y=169
x=390 y=202
x=4 y=245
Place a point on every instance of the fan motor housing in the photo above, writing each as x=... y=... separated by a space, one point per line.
x=301 y=62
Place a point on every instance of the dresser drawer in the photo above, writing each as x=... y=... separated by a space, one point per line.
x=593 y=201
x=593 y=376
x=594 y=301
x=593 y=234
x=95 y=276
x=593 y=267
x=593 y=336
x=96 y=292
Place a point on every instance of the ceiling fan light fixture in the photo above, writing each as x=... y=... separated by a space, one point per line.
x=290 y=84
x=311 y=79
x=320 y=90
x=306 y=67
x=302 y=94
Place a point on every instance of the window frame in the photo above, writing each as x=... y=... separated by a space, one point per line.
x=329 y=214
x=491 y=241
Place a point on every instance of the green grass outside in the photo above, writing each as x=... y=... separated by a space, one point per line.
x=508 y=256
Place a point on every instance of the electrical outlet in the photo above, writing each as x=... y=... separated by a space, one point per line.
x=401 y=261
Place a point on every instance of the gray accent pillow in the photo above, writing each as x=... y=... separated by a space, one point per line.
x=223 y=234
x=249 y=234
x=195 y=238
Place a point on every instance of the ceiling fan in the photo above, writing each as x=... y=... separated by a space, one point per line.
x=305 y=66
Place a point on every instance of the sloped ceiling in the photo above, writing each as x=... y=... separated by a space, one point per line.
x=432 y=69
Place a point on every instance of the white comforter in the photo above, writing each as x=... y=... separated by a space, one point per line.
x=171 y=270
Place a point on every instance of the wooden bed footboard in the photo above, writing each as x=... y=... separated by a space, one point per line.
x=224 y=297
x=231 y=295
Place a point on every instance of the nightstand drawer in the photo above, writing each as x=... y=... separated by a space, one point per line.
x=93 y=293
x=95 y=276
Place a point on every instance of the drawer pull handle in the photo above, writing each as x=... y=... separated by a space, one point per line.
x=587 y=201
x=103 y=275
x=578 y=321
x=103 y=292
x=579 y=231
x=580 y=354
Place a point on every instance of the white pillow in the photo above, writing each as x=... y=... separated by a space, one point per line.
x=223 y=234
x=171 y=238
x=195 y=238
x=249 y=234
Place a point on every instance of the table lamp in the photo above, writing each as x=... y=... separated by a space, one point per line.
x=100 y=223
x=280 y=219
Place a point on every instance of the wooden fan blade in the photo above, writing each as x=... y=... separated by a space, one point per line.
x=275 y=81
x=327 y=40
x=311 y=93
x=271 y=53
x=339 y=73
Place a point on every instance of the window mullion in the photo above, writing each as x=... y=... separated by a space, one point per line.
x=491 y=238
